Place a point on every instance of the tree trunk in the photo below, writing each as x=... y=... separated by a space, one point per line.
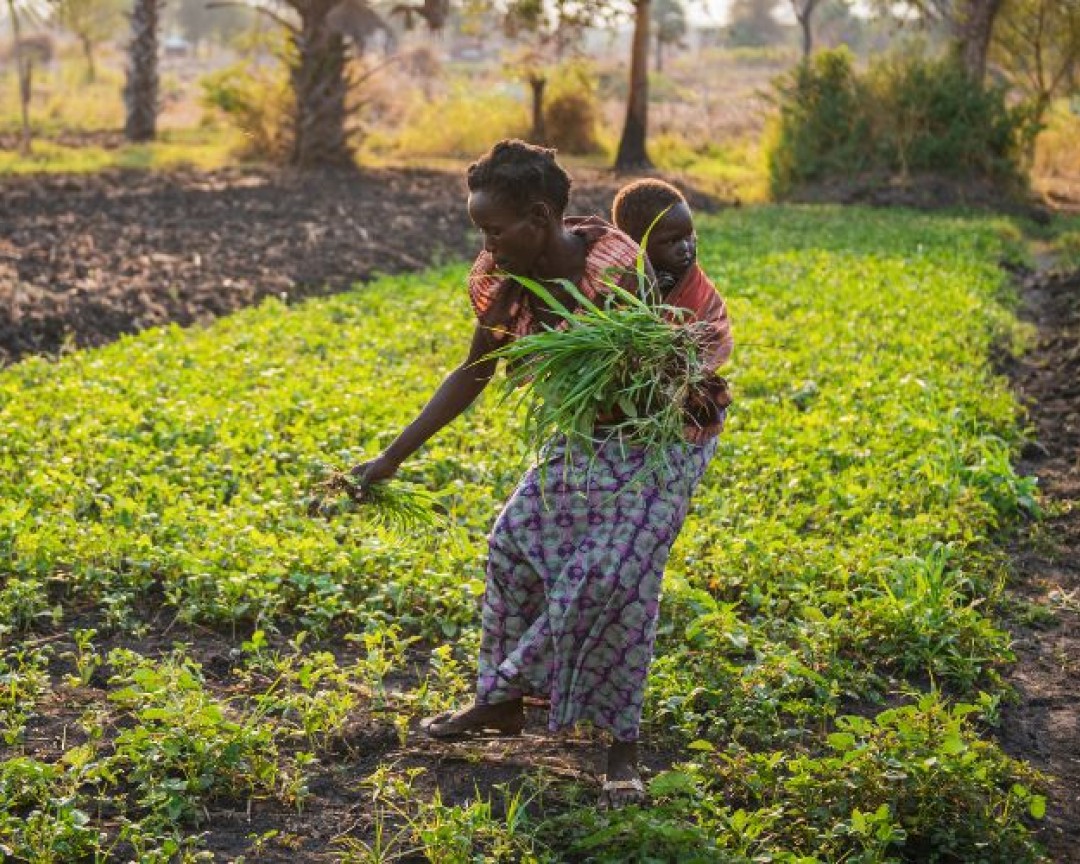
x=972 y=30
x=807 y=37
x=88 y=53
x=23 y=69
x=632 y=154
x=320 y=88
x=141 y=88
x=537 y=83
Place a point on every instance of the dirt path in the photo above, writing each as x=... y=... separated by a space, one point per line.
x=1044 y=727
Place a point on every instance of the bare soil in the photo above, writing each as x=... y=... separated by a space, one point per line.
x=1043 y=727
x=85 y=258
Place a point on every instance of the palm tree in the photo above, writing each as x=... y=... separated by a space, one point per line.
x=141 y=86
x=320 y=86
x=317 y=31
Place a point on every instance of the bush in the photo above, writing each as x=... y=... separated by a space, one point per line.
x=259 y=102
x=908 y=114
x=572 y=109
x=927 y=116
x=463 y=122
x=822 y=128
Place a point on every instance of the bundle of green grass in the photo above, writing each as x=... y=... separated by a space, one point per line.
x=622 y=372
x=398 y=506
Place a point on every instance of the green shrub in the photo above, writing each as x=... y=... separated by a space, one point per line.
x=926 y=115
x=256 y=101
x=914 y=783
x=822 y=128
x=463 y=122
x=572 y=109
x=908 y=114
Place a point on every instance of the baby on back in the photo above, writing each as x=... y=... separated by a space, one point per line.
x=656 y=212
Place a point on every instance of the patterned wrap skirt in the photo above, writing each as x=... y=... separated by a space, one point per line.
x=573 y=580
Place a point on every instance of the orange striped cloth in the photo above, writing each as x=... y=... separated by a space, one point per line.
x=499 y=301
x=696 y=293
x=707 y=407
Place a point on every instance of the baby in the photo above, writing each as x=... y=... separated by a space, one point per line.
x=671 y=246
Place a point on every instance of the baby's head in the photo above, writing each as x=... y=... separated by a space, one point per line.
x=672 y=243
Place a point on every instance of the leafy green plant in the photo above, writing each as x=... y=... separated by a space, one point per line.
x=185 y=750
x=838 y=556
x=910 y=113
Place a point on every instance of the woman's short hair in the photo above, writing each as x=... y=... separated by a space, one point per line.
x=637 y=204
x=519 y=174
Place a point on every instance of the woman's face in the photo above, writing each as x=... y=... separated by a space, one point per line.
x=672 y=245
x=514 y=238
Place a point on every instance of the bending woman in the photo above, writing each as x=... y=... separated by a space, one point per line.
x=577 y=554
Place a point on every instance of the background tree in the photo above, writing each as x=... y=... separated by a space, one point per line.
x=531 y=20
x=969 y=23
x=632 y=153
x=89 y=21
x=669 y=25
x=751 y=24
x=551 y=30
x=141 y=86
x=23 y=73
x=316 y=56
x=804 y=15
x=1037 y=44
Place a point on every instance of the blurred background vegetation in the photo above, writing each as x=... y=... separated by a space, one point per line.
x=750 y=98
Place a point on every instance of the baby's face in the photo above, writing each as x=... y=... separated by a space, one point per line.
x=672 y=245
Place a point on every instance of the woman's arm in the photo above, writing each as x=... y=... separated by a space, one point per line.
x=456 y=393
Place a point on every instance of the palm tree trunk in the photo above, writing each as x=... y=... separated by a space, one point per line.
x=141 y=88
x=807 y=37
x=632 y=153
x=320 y=87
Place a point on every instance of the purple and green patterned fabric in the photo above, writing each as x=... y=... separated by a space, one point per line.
x=573 y=581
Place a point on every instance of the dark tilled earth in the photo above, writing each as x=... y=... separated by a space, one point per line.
x=1044 y=726
x=84 y=259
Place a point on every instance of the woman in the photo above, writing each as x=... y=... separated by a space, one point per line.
x=578 y=552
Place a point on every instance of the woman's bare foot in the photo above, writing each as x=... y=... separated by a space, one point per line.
x=622 y=785
x=502 y=718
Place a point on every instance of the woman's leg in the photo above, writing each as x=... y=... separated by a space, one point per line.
x=515 y=640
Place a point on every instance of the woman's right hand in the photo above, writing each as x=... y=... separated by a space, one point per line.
x=377 y=469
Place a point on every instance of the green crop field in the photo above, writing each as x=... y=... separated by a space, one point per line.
x=828 y=670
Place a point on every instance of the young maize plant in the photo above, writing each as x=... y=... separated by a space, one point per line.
x=622 y=372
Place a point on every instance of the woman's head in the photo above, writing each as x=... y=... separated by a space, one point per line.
x=517 y=196
x=672 y=243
